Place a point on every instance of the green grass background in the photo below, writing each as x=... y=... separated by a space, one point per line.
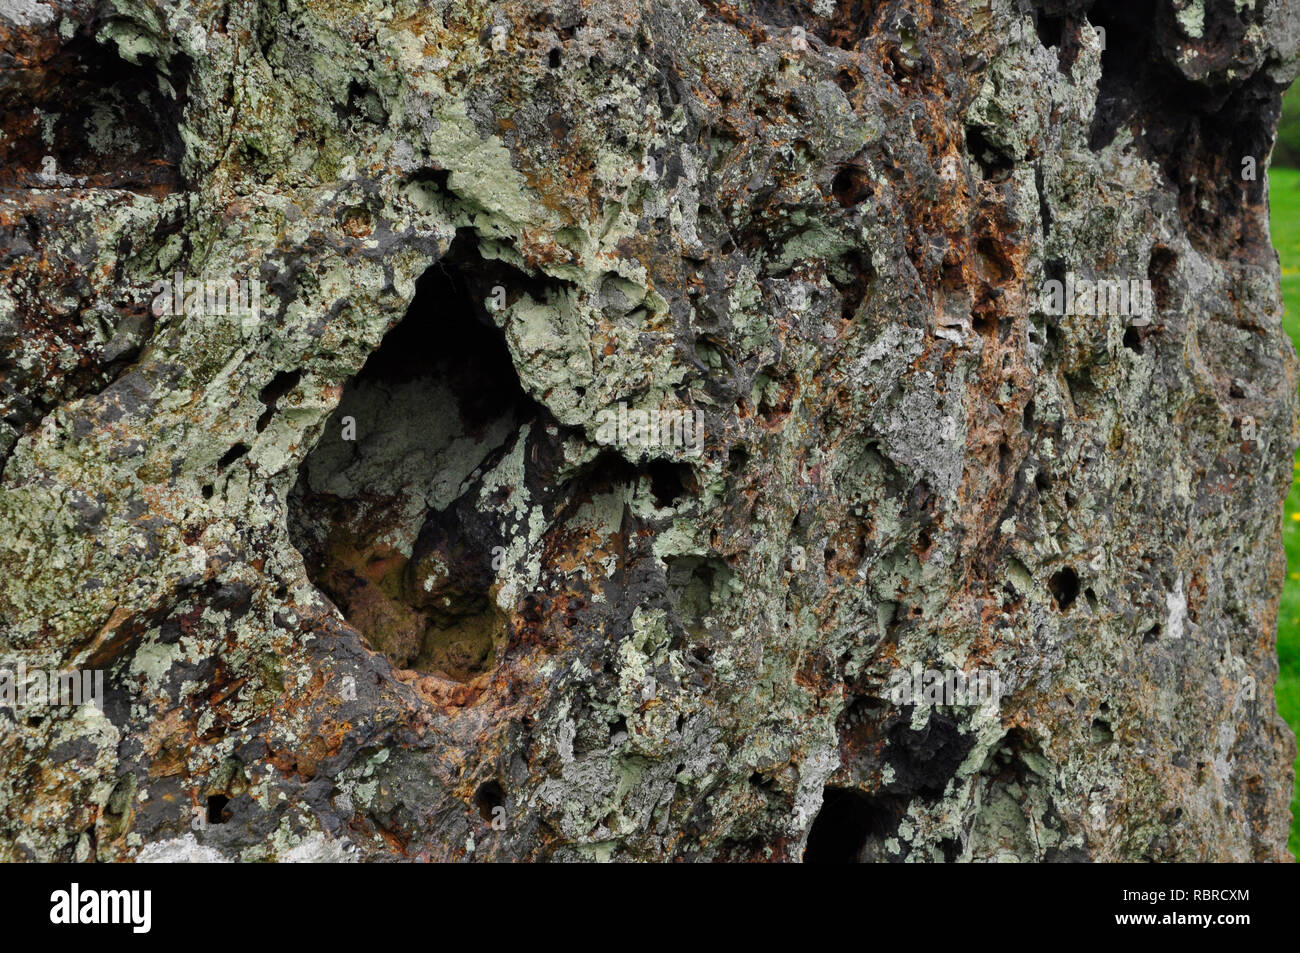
x=1284 y=200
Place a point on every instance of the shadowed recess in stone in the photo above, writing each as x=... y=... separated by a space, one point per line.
x=695 y=585
x=387 y=522
x=89 y=118
x=1198 y=136
x=851 y=827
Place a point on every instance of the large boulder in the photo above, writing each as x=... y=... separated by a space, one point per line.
x=643 y=429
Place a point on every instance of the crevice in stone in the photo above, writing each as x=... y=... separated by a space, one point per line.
x=279 y=387
x=1050 y=30
x=1058 y=23
x=231 y=455
x=1161 y=271
x=853 y=276
x=1125 y=65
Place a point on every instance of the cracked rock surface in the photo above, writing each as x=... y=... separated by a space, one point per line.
x=367 y=581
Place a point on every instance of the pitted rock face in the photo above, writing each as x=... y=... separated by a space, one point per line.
x=340 y=340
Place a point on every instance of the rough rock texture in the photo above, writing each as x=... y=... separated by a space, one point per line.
x=476 y=631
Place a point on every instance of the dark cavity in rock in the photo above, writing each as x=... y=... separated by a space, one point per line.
x=87 y=118
x=396 y=526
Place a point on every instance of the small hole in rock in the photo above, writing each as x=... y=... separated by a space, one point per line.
x=668 y=481
x=851 y=827
x=995 y=164
x=950 y=848
x=1101 y=732
x=1064 y=586
x=1161 y=271
x=693 y=585
x=1133 y=340
x=218 y=812
x=851 y=186
x=489 y=796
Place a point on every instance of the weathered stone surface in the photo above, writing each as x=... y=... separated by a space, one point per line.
x=480 y=630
